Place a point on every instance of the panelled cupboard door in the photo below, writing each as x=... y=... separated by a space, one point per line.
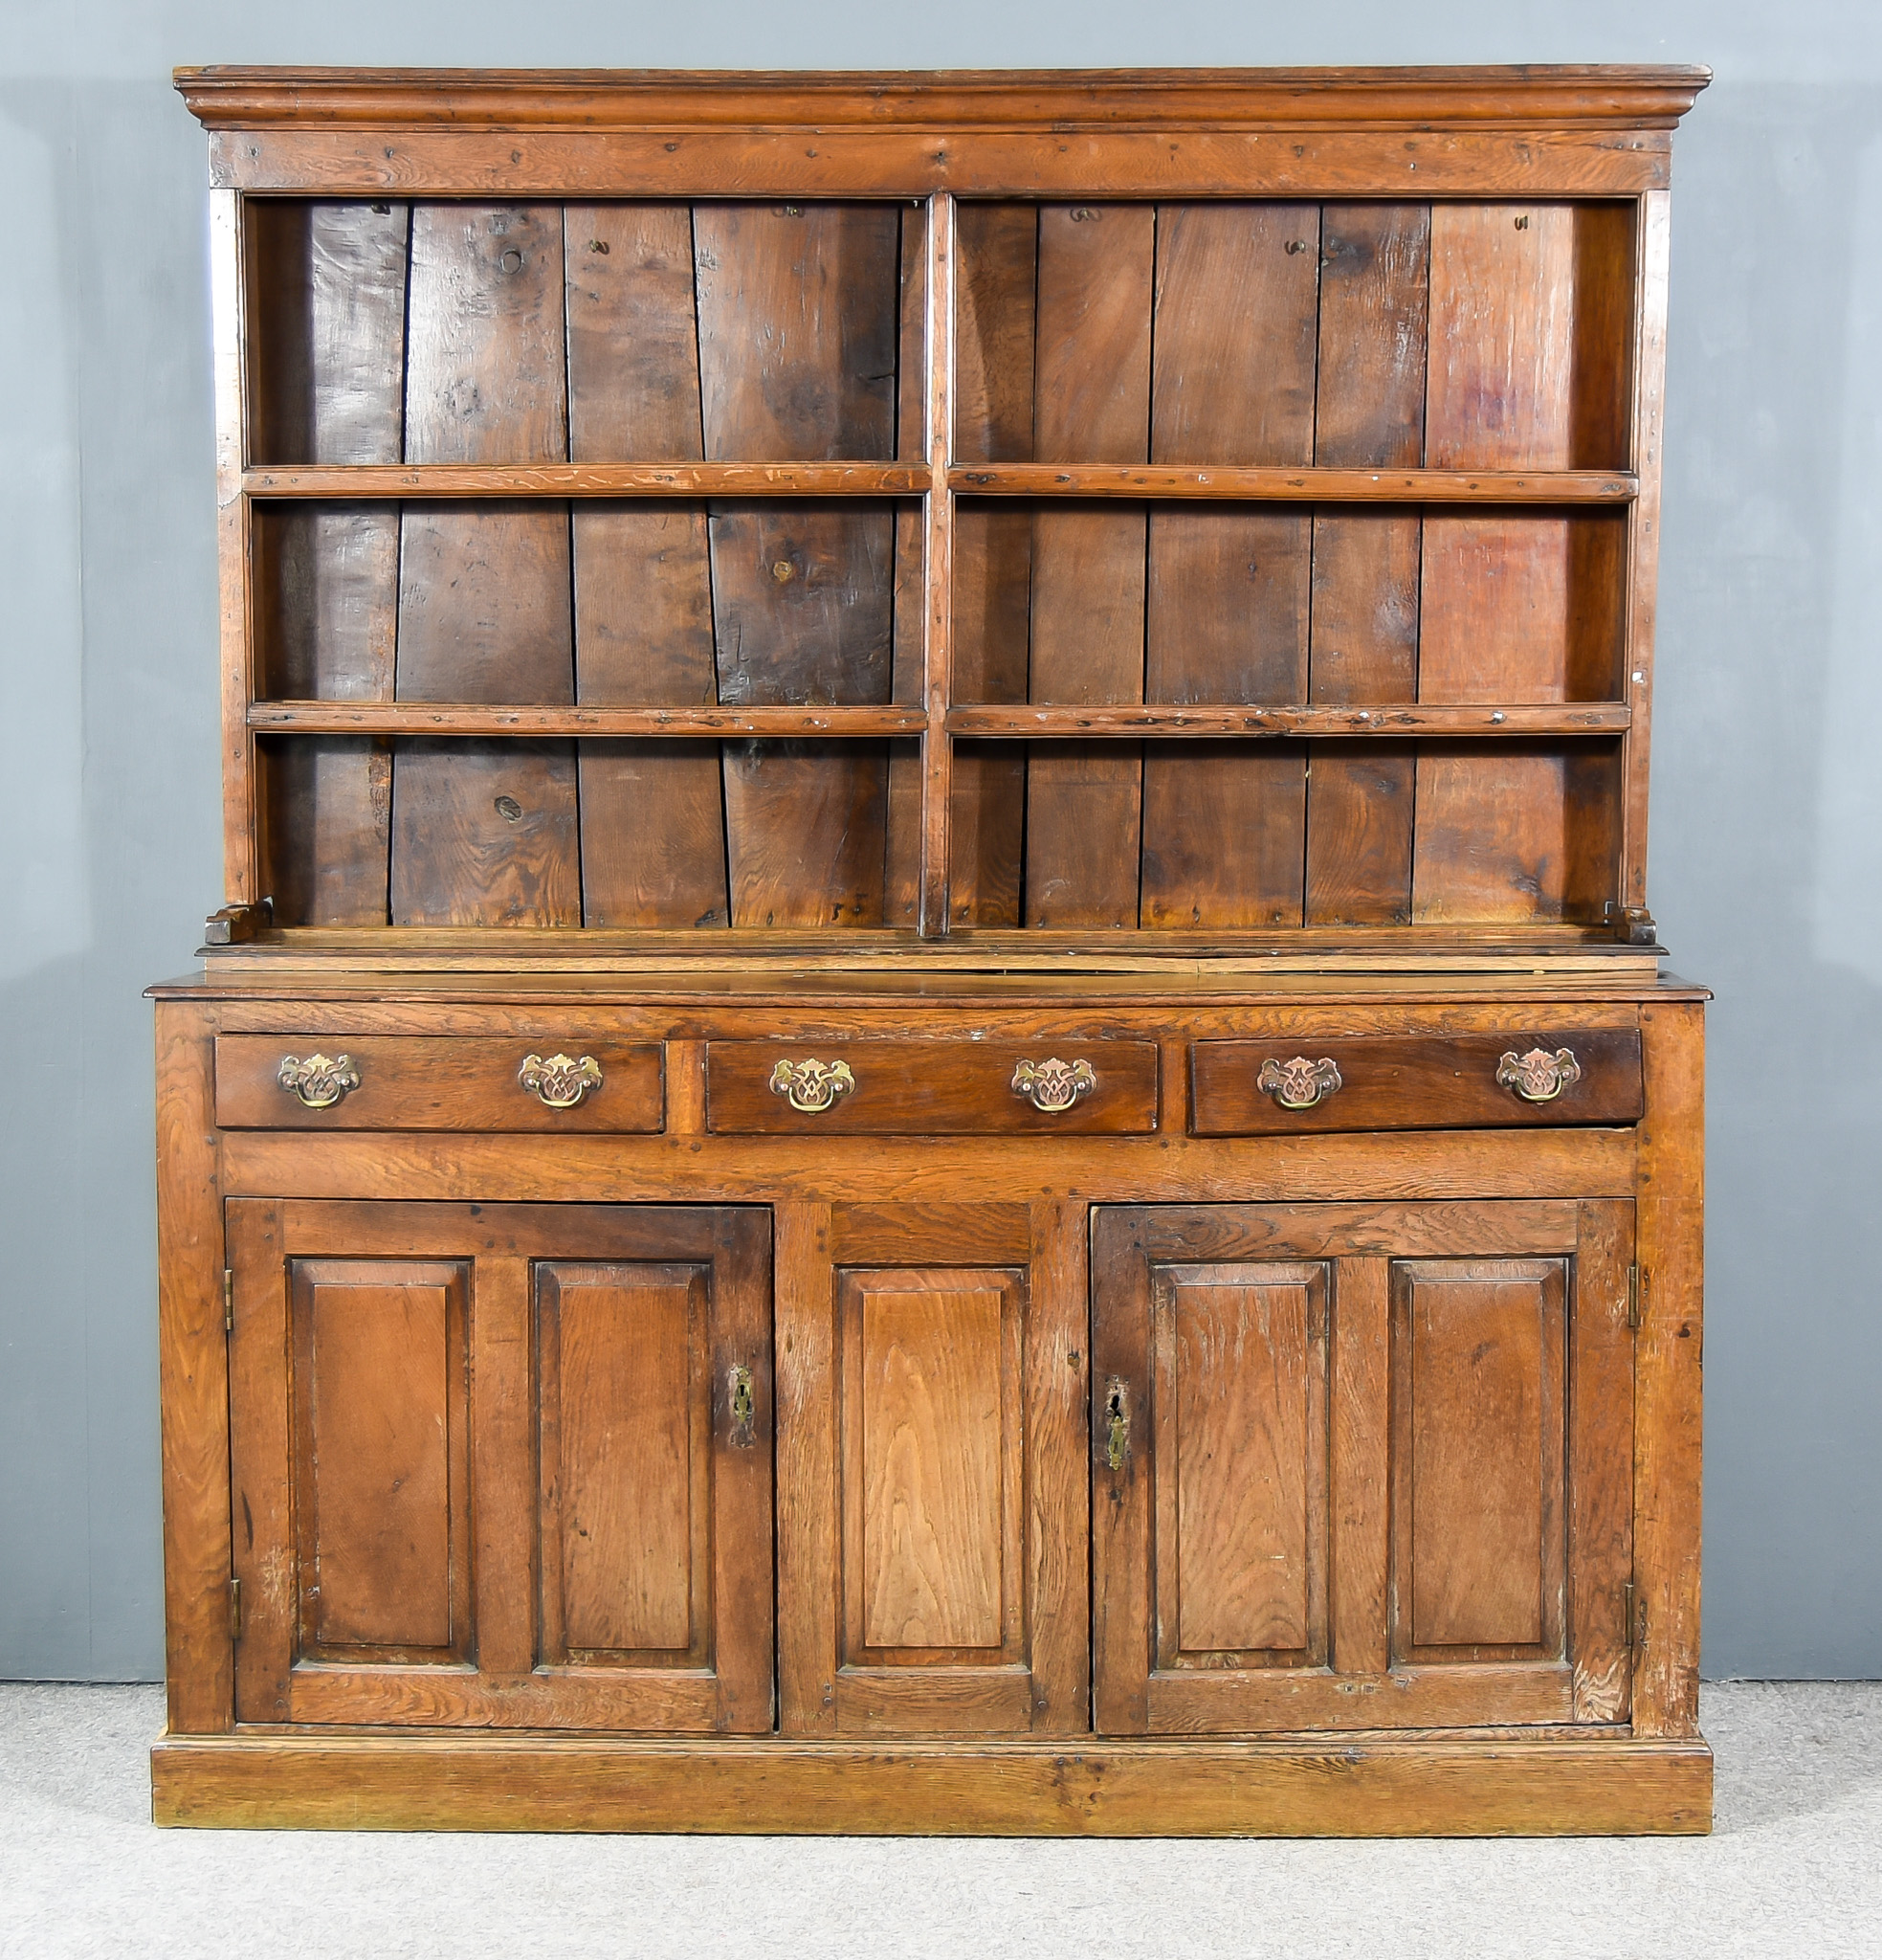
x=1361 y=1466
x=502 y=1465
x=932 y=1575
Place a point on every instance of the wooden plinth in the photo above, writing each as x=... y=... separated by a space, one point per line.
x=1422 y=1789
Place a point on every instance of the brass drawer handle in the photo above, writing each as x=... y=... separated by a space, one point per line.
x=811 y=1085
x=1539 y=1077
x=1300 y=1084
x=561 y=1081
x=320 y=1080
x=1053 y=1085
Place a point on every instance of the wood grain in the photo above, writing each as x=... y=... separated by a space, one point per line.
x=1522 y=832
x=326 y=296
x=625 y=1486
x=930 y=1443
x=1479 y=1449
x=193 y=1361
x=484 y=609
x=1418 y=1082
x=1360 y=1456
x=809 y=1490
x=1669 y=1362
x=1092 y=403
x=932 y=1088
x=653 y=816
x=259 y=1415
x=382 y=1497
x=1601 y=1462
x=1241 y=1453
x=325 y=300
x=995 y=332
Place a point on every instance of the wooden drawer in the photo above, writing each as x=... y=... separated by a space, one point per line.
x=931 y=1088
x=1416 y=1082
x=423 y=1083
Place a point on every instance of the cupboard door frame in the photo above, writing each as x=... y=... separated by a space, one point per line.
x=1371 y=1678
x=830 y=1681
x=502 y=1677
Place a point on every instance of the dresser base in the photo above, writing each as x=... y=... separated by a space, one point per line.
x=1422 y=1789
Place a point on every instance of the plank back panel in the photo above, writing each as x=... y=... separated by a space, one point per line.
x=1370 y=412
x=626 y=1403
x=652 y=812
x=1091 y=404
x=326 y=298
x=326 y=293
x=485 y=602
x=1518 y=831
x=381 y=1427
x=1237 y=293
x=992 y=591
x=798 y=344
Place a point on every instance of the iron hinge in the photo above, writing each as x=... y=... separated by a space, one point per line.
x=234 y=1609
x=228 y=1300
x=1636 y=1297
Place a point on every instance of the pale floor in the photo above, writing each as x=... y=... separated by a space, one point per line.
x=1794 y=1867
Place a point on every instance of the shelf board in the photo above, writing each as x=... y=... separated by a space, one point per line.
x=1145 y=481
x=468 y=717
x=1157 y=480
x=381 y=480
x=1127 y=720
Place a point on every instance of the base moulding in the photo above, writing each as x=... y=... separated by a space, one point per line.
x=1087 y=1789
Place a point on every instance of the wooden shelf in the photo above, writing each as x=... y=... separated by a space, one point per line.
x=1126 y=721
x=1155 y=480
x=380 y=481
x=463 y=717
x=1143 y=482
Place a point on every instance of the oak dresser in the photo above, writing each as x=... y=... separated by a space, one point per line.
x=935 y=1095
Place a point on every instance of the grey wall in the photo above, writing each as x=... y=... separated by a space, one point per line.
x=1767 y=848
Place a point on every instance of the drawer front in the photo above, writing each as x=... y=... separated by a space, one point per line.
x=398 y=1081
x=1416 y=1081
x=931 y=1088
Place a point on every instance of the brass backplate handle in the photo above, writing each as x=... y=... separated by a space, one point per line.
x=1052 y=1085
x=1300 y=1084
x=561 y=1081
x=1539 y=1077
x=1116 y=1422
x=745 y=1410
x=811 y=1085
x=320 y=1080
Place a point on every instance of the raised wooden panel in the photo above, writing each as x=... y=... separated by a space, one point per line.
x=1240 y=1451
x=381 y=1426
x=931 y=1448
x=625 y=1437
x=1479 y=1445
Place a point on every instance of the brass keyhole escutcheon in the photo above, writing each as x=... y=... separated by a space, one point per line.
x=745 y=1410
x=1116 y=1422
